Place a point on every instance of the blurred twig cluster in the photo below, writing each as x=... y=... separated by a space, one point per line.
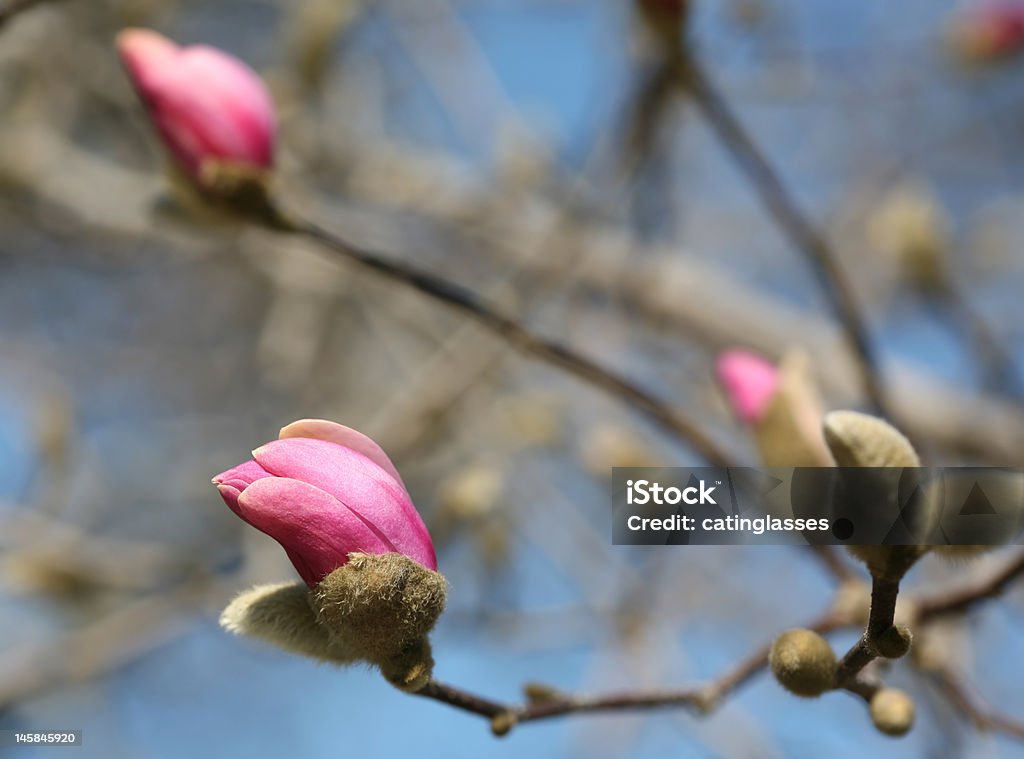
x=539 y=254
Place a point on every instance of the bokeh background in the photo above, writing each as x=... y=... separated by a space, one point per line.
x=145 y=347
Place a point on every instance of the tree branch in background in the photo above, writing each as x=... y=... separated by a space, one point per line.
x=977 y=714
x=961 y=599
x=12 y=8
x=791 y=221
x=519 y=336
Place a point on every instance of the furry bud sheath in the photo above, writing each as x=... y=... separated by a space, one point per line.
x=377 y=608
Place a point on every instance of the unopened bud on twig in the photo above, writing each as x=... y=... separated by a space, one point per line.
x=213 y=113
x=803 y=662
x=540 y=692
x=861 y=440
x=336 y=503
x=892 y=711
x=894 y=642
x=502 y=724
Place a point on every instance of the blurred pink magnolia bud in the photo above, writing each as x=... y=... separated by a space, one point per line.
x=750 y=382
x=206 y=105
x=990 y=30
x=324 y=491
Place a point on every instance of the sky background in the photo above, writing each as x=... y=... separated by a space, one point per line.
x=157 y=350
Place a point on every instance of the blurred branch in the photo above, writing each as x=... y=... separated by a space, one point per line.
x=1000 y=370
x=832 y=560
x=648 y=278
x=979 y=715
x=28 y=536
x=123 y=635
x=701 y=699
x=962 y=599
x=519 y=336
x=791 y=221
x=12 y=8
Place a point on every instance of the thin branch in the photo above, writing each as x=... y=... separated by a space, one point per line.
x=519 y=336
x=884 y=592
x=701 y=699
x=12 y=8
x=885 y=589
x=832 y=560
x=460 y=699
x=961 y=599
x=1000 y=372
x=978 y=714
x=790 y=220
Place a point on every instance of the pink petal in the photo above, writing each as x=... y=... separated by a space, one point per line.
x=233 y=482
x=750 y=382
x=332 y=432
x=316 y=531
x=359 y=483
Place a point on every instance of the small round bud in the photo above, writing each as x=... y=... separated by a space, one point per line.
x=410 y=669
x=803 y=662
x=502 y=723
x=892 y=711
x=894 y=642
x=540 y=692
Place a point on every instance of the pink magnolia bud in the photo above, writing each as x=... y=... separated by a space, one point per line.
x=990 y=30
x=324 y=491
x=750 y=382
x=207 y=105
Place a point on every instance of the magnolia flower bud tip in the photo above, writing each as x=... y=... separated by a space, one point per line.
x=206 y=105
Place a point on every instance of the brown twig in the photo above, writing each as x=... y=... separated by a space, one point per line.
x=832 y=560
x=705 y=698
x=519 y=336
x=701 y=699
x=961 y=599
x=1000 y=372
x=883 y=608
x=885 y=588
x=12 y=8
x=978 y=714
x=790 y=220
